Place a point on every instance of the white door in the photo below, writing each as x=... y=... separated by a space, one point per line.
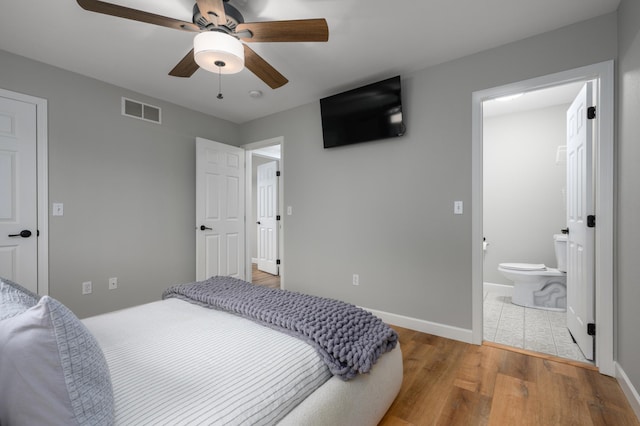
x=267 y=201
x=219 y=210
x=580 y=245
x=18 y=193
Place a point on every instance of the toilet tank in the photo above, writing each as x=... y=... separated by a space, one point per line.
x=560 y=244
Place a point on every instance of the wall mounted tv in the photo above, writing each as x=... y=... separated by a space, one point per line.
x=364 y=114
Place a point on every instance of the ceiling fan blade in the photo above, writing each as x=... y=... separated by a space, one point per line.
x=136 y=15
x=285 y=31
x=186 y=67
x=262 y=69
x=213 y=11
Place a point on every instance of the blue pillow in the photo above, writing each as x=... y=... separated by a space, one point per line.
x=15 y=299
x=52 y=370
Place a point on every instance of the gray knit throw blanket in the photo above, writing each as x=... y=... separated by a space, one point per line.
x=348 y=338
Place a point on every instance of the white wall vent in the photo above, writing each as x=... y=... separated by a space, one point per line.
x=141 y=111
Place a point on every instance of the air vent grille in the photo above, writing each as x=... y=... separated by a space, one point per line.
x=141 y=111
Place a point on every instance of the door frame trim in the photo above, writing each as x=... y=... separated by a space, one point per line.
x=42 y=176
x=248 y=202
x=603 y=73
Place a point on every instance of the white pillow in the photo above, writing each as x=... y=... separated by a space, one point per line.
x=52 y=371
x=15 y=299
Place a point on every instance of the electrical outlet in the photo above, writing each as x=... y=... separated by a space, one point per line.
x=86 y=287
x=356 y=279
x=113 y=283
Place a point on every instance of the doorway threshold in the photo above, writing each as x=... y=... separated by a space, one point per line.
x=582 y=364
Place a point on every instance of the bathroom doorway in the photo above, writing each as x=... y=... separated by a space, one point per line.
x=603 y=175
x=524 y=207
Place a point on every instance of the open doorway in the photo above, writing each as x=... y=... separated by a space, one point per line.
x=264 y=227
x=525 y=221
x=603 y=75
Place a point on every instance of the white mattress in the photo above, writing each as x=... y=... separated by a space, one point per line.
x=175 y=363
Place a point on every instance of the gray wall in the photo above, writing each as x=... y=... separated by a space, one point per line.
x=524 y=189
x=628 y=196
x=384 y=209
x=127 y=187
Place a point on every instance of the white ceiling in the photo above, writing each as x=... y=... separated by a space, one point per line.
x=272 y=151
x=552 y=96
x=368 y=40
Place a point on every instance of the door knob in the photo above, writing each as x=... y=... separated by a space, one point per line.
x=204 y=228
x=258 y=222
x=25 y=233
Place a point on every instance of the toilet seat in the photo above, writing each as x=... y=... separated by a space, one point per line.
x=524 y=266
x=531 y=269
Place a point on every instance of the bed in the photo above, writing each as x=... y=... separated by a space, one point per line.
x=177 y=361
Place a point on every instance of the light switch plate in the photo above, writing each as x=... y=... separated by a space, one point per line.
x=457 y=207
x=58 y=209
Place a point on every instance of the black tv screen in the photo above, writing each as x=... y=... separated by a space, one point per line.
x=364 y=114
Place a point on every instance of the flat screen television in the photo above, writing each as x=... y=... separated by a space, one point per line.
x=364 y=114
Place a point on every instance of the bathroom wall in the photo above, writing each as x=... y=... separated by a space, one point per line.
x=524 y=188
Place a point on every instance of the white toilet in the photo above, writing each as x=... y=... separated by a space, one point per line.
x=538 y=286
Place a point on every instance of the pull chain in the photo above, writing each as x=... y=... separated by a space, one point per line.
x=219 y=83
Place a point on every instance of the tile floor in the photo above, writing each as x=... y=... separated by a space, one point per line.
x=527 y=328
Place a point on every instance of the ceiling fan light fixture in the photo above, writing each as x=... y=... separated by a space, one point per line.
x=218 y=52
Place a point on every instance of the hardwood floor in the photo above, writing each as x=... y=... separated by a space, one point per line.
x=262 y=278
x=450 y=383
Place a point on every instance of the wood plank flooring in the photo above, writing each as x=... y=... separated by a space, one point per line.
x=264 y=279
x=451 y=383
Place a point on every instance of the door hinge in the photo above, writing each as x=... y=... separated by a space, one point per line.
x=278 y=217
x=591 y=221
x=277 y=261
x=278 y=173
x=591 y=113
x=591 y=329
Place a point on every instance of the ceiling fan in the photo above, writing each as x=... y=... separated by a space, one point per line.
x=221 y=28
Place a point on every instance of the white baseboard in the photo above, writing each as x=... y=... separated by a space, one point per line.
x=500 y=289
x=629 y=390
x=254 y=260
x=447 y=331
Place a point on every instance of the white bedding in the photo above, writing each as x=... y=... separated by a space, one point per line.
x=175 y=363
